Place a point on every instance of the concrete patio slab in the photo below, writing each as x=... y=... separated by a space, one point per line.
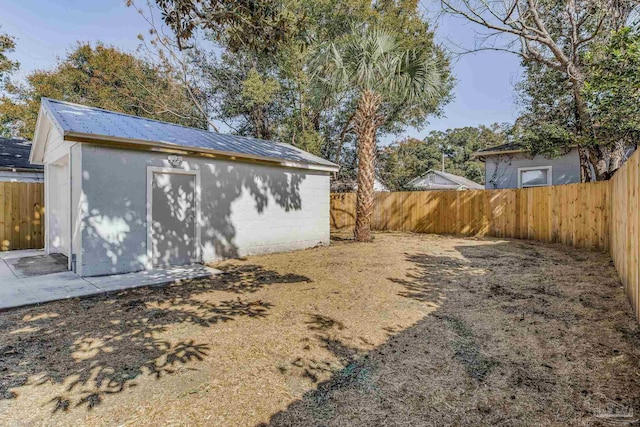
x=17 y=289
x=16 y=295
x=52 y=287
x=5 y=271
x=21 y=253
x=151 y=277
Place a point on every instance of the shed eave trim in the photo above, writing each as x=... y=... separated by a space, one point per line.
x=160 y=146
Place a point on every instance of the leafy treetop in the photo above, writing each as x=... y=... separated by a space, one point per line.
x=100 y=76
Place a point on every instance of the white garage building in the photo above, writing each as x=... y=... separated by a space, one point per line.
x=125 y=193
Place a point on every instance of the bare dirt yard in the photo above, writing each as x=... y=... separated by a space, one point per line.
x=410 y=330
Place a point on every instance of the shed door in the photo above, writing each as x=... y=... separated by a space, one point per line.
x=173 y=219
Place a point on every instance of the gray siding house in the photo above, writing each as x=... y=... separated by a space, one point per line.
x=511 y=166
x=125 y=193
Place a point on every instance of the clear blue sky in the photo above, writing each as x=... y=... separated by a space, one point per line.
x=46 y=29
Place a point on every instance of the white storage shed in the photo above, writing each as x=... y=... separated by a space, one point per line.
x=125 y=193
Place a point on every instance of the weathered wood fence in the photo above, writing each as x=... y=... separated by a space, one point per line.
x=21 y=215
x=601 y=216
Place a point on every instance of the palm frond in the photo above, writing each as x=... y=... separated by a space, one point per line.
x=371 y=59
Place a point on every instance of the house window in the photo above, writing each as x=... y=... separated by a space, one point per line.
x=534 y=177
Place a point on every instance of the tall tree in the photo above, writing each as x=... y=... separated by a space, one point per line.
x=385 y=81
x=555 y=35
x=100 y=76
x=291 y=112
x=611 y=95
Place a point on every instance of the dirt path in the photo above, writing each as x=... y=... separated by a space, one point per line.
x=409 y=330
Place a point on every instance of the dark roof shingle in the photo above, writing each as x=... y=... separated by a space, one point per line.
x=14 y=154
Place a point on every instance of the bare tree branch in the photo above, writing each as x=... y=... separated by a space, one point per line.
x=171 y=54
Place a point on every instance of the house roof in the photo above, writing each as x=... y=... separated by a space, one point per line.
x=76 y=122
x=14 y=154
x=460 y=180
x=510 y=147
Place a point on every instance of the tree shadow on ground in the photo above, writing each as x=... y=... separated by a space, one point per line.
x=325 y=333
x=425 y=281
x=516 y=340
x=100 y=345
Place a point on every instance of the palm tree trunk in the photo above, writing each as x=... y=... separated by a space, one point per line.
x=365 y=126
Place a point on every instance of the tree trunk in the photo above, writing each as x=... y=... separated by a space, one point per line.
x=585 y=169
x=598 y=160
x=615 y=159
x=366 y=122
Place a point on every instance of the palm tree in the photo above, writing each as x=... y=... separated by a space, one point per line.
x=370 y=67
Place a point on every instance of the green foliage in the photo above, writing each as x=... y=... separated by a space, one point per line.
x=100 y=76
x=405 y=160
x=309 y=140
x=233 y=87
x=613 y=88
x=7 y=45
x=236 y=24
x=377 y=83
x=258 y=91
x=550 y=124
x=548 y=139
x=555 y=40
x=371 y=59
x=297 y=113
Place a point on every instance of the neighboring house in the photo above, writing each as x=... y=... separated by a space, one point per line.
x=125 y=193
x=437 y=180
x=511 y=166
x=14 y=162
x=352 y=186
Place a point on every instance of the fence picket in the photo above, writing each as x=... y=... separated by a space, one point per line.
x=21 y=215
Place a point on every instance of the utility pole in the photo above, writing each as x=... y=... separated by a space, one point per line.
x=442 y=161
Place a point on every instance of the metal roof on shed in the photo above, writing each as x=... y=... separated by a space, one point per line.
x=79 y=119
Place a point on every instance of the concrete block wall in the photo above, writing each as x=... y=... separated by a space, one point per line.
x=246 y=208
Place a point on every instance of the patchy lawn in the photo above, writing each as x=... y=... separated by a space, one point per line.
x=409 y=330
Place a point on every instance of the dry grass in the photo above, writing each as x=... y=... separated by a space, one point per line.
x=408 y=330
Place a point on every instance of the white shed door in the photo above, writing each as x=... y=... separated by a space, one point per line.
x=173 y=219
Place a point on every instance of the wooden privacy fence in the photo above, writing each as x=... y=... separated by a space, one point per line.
x=624 y=238
x=21 y=215
x=575 y=214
